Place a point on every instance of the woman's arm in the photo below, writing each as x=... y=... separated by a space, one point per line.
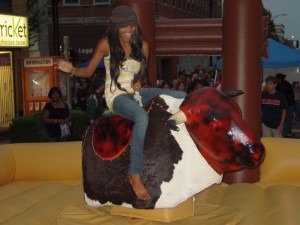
x=66 y=121
x=146 y=51
x=102 y=50
x=145 y=77
x=283 y=115
x=46 y=118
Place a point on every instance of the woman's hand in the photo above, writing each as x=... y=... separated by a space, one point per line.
x=65 y=66
x=62 y=122
x=137 y=86
x=280 y=128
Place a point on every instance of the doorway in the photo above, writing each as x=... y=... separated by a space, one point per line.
x=7 y=102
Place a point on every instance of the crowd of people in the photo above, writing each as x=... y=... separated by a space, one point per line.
x=188 y=82
x=280 y=104
x=89 y=92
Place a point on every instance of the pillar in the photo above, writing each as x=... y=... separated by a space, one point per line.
x=241 y=53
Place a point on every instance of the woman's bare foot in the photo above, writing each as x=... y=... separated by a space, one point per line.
x=138 y=187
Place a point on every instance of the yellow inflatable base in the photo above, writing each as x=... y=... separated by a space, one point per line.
x=183 y=210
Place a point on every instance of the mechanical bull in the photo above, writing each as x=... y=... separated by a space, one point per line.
x=185 y=151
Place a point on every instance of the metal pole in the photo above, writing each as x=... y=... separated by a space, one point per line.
x=55 y=27
x=67 y=52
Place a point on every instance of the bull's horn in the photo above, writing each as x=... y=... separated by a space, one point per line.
x=232 y=93
x=178 y=117
x=175 y=119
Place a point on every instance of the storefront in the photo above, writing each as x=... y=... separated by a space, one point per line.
x=13 y=42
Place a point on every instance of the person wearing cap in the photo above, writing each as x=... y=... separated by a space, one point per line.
x=125 y=56
x=286 y=88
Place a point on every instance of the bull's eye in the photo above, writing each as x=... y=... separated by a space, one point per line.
x=250 y=148
x=222 y=124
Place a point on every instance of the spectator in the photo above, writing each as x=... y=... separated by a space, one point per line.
x=166 y=85
x=273 y=107
x=296 y=86
x=175 y=83
x=82 y=94
x=194 y=76
x=180 y=86
x=197 y=84
x=96 y=104
x=286 y=88
x=56 y=116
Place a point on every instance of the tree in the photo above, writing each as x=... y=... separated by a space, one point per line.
x=272 y=33
x=37 y=15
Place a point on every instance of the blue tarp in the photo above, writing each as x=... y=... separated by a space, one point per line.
x=85 y=63
x=280 y=56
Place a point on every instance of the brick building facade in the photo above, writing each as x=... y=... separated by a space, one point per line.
x=84 y=22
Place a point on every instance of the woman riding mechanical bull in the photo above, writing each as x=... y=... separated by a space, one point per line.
x=125 y=55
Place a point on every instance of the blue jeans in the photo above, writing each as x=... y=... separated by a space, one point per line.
x=127 y=107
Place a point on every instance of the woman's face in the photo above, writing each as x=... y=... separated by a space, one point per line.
x=55 y=96
x=125 y=33
x=181 y=87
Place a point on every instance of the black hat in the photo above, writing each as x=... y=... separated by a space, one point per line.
x=280 y=76
x=124 y=16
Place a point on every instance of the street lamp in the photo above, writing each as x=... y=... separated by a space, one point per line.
x=292 y=37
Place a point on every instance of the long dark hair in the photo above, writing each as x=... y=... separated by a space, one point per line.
x=53 y=90
x=117 y=54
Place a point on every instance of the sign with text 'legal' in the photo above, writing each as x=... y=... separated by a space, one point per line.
x=13 y=31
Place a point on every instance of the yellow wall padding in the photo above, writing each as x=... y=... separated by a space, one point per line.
x=7 y=165
x=282 y=160
x=48 y=161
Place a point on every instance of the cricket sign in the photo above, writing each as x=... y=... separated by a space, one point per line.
x=13 y=31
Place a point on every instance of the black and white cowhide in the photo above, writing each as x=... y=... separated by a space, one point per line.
x=174 y=170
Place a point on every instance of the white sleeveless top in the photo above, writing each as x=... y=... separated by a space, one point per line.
x=127 y=72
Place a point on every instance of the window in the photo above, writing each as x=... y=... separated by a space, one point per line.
x=101 y=2
x=5 y=6
x=71 y=2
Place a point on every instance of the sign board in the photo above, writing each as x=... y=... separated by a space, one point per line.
x=39 y=75
x=13 y=31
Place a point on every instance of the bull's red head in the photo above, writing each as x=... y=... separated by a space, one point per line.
x=215 y=124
